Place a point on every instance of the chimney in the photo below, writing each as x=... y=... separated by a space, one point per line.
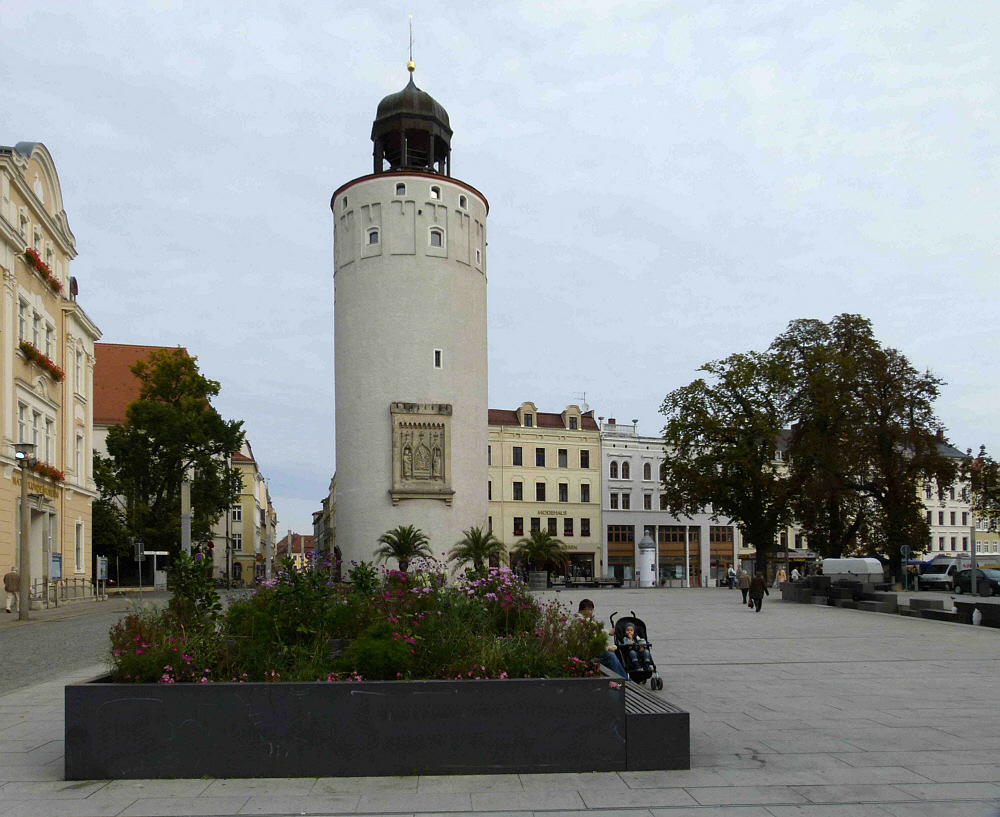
x=940 y=435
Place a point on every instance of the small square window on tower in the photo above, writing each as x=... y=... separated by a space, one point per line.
x=373 y=236
x=437 y=238
x=436 y=192
x=463 y=202
x=438 y=359
x=400 y=189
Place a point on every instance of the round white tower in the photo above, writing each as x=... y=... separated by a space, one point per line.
x=410 y=337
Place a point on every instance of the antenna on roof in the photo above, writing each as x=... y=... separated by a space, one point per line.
x=582 y=396
x=411 y=65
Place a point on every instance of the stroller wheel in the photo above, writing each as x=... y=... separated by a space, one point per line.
x=656 y=683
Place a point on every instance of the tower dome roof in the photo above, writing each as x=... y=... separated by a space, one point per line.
x=411 y=101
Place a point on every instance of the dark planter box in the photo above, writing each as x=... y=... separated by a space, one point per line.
x=220 y=730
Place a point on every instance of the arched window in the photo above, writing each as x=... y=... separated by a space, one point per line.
x=373 y=235
x=626 y=472
x=437 y=237
x=647 y=471
x=463 y=202
x=435 y=192
x=400 y=189
x=614 y=470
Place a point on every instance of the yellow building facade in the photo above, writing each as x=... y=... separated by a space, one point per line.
x=545 y=474
x=46 y=372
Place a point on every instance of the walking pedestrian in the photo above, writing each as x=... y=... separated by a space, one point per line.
x=743 y=583
x=731 y=577
x=12 y=585
x=758 y=589
x=780 y=578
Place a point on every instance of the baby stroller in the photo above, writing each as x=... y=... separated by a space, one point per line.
x=636 y=670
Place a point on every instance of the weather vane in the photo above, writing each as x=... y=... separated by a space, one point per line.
x=411 y=65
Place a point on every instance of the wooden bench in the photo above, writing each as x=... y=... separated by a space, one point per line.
x=658 y=733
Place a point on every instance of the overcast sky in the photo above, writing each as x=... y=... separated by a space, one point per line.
x=669 y=183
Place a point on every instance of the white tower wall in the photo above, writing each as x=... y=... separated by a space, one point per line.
x=399 y=302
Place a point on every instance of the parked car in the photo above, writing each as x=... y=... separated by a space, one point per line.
x=939 y=576
x=987 y=582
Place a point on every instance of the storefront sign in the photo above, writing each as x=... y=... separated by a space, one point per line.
x=37 y=487
x=552 y=513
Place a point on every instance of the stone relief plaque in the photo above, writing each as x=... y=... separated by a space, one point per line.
x=421 y=460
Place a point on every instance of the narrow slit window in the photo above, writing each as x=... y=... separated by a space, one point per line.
x=438 y=359
x=479 y=257
x=343 y=203
x=463 y=202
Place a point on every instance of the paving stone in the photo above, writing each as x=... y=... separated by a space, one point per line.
x=51 y=790
x=274 y=803
x=342 y=785
x=375 y=802
x=745 y=795
x=469 y=783
x=854 y=793
x=185 y=807
x=91 y=807
x=534 y=799
x=953 y=791
x=637 y=797
x=718 y=811
x=578 y=781
x=985 y=773
x=278 y=786
x=157 y=788
x=828 y=810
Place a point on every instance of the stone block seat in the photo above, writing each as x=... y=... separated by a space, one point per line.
x=658 y=733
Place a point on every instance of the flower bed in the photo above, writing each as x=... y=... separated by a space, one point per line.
x=35 y=261
x=41 y=360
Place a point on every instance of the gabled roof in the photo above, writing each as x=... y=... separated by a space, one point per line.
x=543 y=419
x=114 y=384
x=298 y=539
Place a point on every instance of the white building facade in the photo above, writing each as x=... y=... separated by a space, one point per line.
x=410 y=337
x=691 y=552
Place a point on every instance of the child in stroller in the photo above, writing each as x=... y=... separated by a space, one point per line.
x=635 y=650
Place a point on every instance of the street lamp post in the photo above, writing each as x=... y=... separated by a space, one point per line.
x=23 y=453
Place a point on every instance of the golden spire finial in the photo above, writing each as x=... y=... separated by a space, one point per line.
x=411 y=66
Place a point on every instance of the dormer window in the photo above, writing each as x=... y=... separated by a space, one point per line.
x=400 y=189
x=436 y=193
x=437 y=237
x=373 y=236
x=529 y=420
x=572 y=424
x=463 y=202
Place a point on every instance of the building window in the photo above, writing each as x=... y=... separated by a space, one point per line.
x=516 y=455
x=540 y=457
x=563 y=492
x=23 y=310
x=536 y=524
x=663 y=502
x=50 y=444
x=489 y=489
x=927 y=491
x=519 y=526
x=518 y=491
x=237 y=514
x=79 y=547
x=572 y=424
x=373 y=236
x=568 y=526
x=954 y=546
x=36 y=429
x=463 y=202
x=489 y=455
x=613 y=470
x=400 y=189
x=22 y=423
x=940 y=543
x=965 y=494
x=585 y=493
x=930 y=518
x=647 y=502
x=563 y=458
x=965 y=518
x=438 y=363
x=952 y=517
x=647 y=471
x=626 y=471
x=940 y=517
x=79 y=453
x=436 y=193
x=614 y=501
x=343 y=203
x=489 y=523
x=539 y=492
x=553 y=525
x=626 y=501
x=479 y=257
x=50 y=338
x=584 y=527
x=529 y=420
x=237 y=542
x=965 y=543
x=437 y=237
x=951 y=492
x=36 y=330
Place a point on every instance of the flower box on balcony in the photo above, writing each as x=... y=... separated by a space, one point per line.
x=41 y=360
x=35 y=262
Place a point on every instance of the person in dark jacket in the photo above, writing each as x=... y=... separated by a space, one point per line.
x=758 y=589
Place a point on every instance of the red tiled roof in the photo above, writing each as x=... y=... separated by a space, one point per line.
x=240 y=457
x=505 y=417
x=297 y=540
x=114 y=384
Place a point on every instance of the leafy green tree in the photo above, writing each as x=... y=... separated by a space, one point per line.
x=404 y=544
x=721 y=440
x=169 y=430
x=109 y=533
x=983 y=475
x=477 y=547
x=541 y=550
x=864 y=438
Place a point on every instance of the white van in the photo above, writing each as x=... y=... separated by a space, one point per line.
x=940 y=574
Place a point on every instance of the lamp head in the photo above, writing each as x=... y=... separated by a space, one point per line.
x=23 y=451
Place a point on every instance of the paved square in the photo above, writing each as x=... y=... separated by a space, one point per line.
x=797 y=710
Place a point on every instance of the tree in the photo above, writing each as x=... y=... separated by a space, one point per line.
x=864 y=438
x=170 y=430
x=477 y=548
x=542 y=550
x=983 y=475
x=109 y=532
x=404 y=544
x=721 y=440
